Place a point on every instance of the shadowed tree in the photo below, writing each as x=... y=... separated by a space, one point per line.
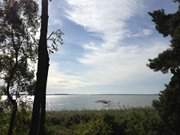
x=168 y=61
x=39 y=105
x=18 y=27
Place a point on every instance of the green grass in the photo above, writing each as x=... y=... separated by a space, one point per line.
x=133 y=121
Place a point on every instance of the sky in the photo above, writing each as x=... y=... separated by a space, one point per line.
x=107 y=44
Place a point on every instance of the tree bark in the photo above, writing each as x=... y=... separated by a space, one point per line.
x=39 y=110
x=12 y=118
x=9 y=96
x=13 y=110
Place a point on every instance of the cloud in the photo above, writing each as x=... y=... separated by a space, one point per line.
x=124 y=68
x=142 y=33
x=112 y=62
x=56 y=14
x=59 y=80
x=103 y=16
x=120 y=64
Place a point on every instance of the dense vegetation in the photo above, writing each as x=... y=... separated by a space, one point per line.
x=18 y=26
x=134 y=121
x=168 y=105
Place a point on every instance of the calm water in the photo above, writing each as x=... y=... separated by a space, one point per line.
x=94 y=102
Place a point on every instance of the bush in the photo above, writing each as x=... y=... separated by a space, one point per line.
x=133 y=121
x=168 y=107
x=141 y=122
x=99 y=126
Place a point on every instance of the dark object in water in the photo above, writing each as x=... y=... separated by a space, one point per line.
x=103 y=101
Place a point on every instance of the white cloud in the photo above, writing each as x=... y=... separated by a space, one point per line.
x=113 y=61
x=107 y=17
x=124 y=65
x=121 y=64
x=58 y=80
x=144 y=32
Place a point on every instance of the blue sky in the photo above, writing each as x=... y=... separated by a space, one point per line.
x=107 y=44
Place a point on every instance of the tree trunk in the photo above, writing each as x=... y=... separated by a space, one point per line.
x=13 y=111
x=39 y=112
x=12 y=118
x=10 y=98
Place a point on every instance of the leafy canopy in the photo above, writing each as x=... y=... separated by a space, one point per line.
x=168 y=105
x=19 y=24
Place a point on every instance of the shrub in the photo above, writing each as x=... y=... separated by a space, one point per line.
x=100 y=126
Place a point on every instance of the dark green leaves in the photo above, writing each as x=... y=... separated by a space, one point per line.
x=168 y=105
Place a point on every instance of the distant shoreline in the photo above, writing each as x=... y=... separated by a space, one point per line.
x=100 y=94
x=83 y=94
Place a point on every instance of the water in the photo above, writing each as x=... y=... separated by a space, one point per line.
x=93 y=102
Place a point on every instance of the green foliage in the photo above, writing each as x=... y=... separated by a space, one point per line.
x=18 y=27
x=141 y=122
x=19 y=24
x=55 y=39
x=168 y=107
x=135 y=121
x=168 y=25
x=168 y=104
x=22 y=123
x=101 y=125
x=3 y=123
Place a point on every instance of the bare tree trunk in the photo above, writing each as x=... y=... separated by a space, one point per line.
x=39 y=110
x=13 y=110
x=10 y=98
x=12 y=118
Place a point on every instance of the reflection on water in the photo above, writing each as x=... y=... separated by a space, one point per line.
x=93 y=102
x=90 y=102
